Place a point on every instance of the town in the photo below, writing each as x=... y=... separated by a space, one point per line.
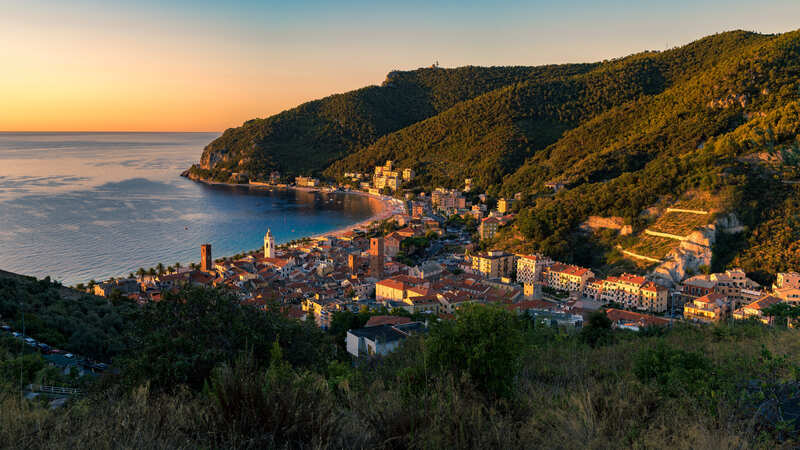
x=419 y=263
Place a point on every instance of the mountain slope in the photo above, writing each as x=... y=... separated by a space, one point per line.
x=488 y=137
x=307 y=138
x=718 y=117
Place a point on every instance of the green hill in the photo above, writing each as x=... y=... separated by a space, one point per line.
x=718 y=115
x=306 y=139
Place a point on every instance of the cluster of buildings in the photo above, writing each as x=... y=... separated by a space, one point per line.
x=720 y=296
x=362 y=270
x=306 y=182
x=542 y=277
x=383 y=177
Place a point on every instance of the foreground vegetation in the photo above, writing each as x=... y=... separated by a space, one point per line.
x=202 y=371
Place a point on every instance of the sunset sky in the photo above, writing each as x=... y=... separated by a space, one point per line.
x=206 y=66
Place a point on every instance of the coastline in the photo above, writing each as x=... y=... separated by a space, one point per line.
x=388 y=206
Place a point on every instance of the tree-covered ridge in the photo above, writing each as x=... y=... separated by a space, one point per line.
x=306 y=139
x=489 y=136
x=718 y=115
x=685 y=138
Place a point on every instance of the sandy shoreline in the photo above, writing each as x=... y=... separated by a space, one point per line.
x=389 y=206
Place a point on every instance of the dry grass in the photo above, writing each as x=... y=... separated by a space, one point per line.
x=653 y=246
x=680 y=224
x=568 y=396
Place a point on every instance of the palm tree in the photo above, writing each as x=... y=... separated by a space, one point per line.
x=130 y=275
x=177 y=266
x=160 y=268
x=141 y=273
x=92 y=283
x=151 y=272
x=194 y=266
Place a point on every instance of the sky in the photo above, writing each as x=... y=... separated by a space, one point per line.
x=160 y=65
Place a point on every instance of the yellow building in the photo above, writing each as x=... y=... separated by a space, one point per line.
x=653 y=298
x=493 y=264
x=567 y=278
x=708 y=308
x=504 y=205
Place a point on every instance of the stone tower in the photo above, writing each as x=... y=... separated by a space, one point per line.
x=376 y=257
x=206 y=262
x=269 y=245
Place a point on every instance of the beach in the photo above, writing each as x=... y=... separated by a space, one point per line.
x=387 y=206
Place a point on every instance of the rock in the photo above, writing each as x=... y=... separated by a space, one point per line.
x=729 y=223
x=692 y=253
x=594 y=223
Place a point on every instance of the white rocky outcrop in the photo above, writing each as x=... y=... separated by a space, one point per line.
x=695 y=250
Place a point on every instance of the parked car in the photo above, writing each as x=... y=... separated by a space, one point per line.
x=5 y=328
x=16 y=335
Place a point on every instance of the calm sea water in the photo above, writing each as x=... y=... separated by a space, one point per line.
x=80 y=206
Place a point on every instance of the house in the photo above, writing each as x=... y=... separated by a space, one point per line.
x=493 y=264
x=755 y=310
x=391 y=245
x=732 y=283
x=375 y=321
x=306 y=181
x=427 y=271
x=427 y=304
x=707 y=309
x=555 y=185
x=629 y=320
x=488 y=228
x=556 y=318
x=379 y=340
x=568 y=278
x=504 y=205
x=450 y=301
x=531 y=267
x=787 y=287
x=631 y=291
x=396 y=288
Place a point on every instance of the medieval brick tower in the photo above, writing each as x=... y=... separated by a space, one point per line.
x=206 y=262
x=376 y=257
x=269 y=245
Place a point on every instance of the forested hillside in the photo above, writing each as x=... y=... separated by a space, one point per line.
x=718 y=116
x=308 y=138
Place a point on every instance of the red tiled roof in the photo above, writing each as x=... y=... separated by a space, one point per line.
x=711 y=298
x=644 y=319
x=764 y=302
x=375 y=321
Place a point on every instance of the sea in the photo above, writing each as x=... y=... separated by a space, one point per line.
x=82 y=206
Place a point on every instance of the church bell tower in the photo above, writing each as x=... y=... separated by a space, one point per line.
x=269 y=245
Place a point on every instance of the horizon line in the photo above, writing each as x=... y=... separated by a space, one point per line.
x=102 y=131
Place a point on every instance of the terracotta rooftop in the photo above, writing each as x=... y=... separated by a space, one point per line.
x=643 y=319
x=375 y=321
